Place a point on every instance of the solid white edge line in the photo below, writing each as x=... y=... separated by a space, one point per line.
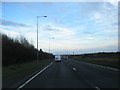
x=74 y=68
x=100 y=66
x=33 y=76
x=106 y=67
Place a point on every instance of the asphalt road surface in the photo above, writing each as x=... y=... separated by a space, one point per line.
x=75 y=74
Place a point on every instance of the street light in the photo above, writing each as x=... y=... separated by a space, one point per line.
x=49 y=45
x=37 y=36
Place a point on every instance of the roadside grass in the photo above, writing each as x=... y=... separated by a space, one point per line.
x=14 y=73
x=109 y=62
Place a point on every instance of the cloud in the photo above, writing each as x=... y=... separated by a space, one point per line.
x=64 y=40
x=87 y=8
x=9 y=33
x=14 y=33
x=61 y=32
x=106 y=17
x=97 y=16
x=48 y=28
x=56 y=31
x=86 y=44
x=113 y=2
x=13 y=23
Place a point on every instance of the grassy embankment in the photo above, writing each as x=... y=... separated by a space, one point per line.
x=14 y=73
x=108 y=61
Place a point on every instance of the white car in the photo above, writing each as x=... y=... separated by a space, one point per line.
x=57 y=58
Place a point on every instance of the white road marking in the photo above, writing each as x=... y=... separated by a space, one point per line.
x=74 y=68
x=33 y=77
x=107 y=67
x=99 y=65
x=97 y=88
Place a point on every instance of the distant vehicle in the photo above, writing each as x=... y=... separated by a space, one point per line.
x=64 y=57
x=57 y=58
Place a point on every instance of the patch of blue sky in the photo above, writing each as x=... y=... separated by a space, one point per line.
x=14 y=12
x=9 y=29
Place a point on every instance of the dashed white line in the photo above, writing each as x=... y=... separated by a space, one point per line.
x=97 y=88
x=74 y=68
x=33 y=77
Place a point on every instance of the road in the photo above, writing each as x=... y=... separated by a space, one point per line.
x=75 y=74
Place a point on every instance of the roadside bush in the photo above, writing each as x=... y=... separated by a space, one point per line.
x=16 y=51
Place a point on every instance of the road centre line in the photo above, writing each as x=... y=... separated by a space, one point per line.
x=33 y=77
x=74 y=68
x=97 y=88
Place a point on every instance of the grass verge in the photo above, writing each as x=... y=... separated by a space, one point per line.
x=109 y=62
x=14 y=73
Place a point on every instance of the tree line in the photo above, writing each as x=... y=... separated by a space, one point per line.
x=20 y=50
x=99 y=55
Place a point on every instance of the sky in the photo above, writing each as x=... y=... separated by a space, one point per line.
x=79 y=27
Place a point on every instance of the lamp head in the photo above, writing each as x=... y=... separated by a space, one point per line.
x=41 y=16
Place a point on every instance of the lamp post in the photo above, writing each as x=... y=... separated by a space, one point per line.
x=49 y=45
x=37 y=36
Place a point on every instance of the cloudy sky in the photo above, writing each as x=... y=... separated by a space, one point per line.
x=79 y=27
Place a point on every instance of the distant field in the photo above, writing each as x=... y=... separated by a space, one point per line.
x=14 y=73
x=109 y=61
